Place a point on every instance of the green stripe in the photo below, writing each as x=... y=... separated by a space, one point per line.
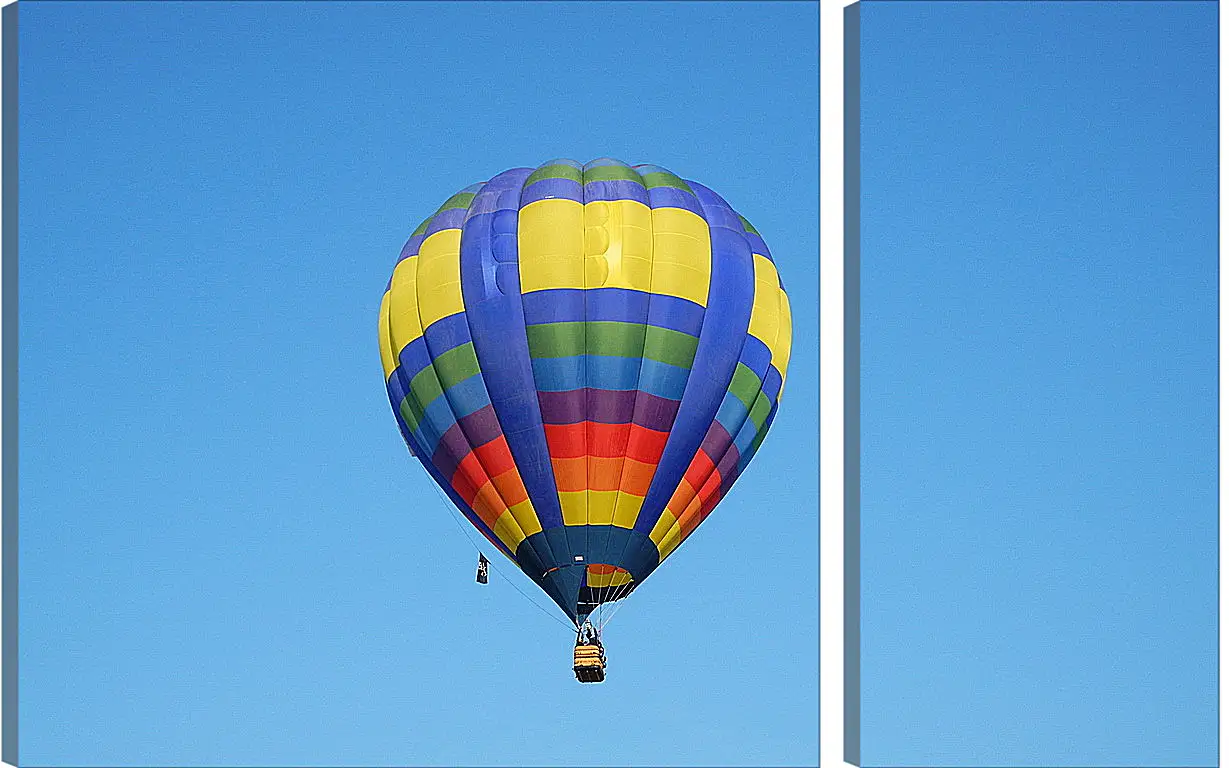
x=422 y=228
x=612 y=173
x=459 y=200
x=747 y=225
x=669 y=346
x=447 y=370
x=665 y=179
x=411 y=411
x=745 y=385
x=456 y=365
x=554 y=172
x=612 y=339
x=759 y=412
x=424 y=388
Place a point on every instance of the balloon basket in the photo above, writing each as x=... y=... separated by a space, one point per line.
x=589 y=663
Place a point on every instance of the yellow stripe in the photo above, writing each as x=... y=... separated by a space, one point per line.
x=508 y=531
x=618 y=245
x=550 y=243
x=664 y=523
x=781 y=348
x=575 y=507
x=439 y=276
x=614 y=244
x=600 y=508
x=403 y=321
x=627 y=508
x=616 y=579
x=386 y=343
x=682 y=254
x=672 y=538
x=526 y=517
x=766 y=308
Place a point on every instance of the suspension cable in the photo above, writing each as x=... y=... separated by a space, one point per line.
x=452 y=508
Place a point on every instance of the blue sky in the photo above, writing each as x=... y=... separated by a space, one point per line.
x=227 y=555
x=1039 y=383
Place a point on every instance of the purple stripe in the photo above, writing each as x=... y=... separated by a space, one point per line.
x=616 y=189
x=551 y=189
x=608 y=407
x=452 y=448
x=482 y=426
x=729 y=462
x=653 y=412
x=716 y=441
x=562 y=407
x=473 y=431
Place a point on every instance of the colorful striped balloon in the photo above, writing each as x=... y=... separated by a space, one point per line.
x=585 y=358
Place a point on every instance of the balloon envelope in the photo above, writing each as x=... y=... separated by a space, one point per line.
x=585 y=358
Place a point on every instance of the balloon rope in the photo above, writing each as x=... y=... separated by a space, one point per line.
x=532 y=602
x=616 y=597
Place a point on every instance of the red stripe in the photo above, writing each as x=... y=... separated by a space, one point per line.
x=571 y=441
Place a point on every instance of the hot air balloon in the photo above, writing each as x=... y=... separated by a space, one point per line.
x=585 y=358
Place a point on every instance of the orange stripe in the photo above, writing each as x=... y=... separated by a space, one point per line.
x=604 y=474
x=570 y=474
x=598 y=473
x=488 y=505
x=682 y=496
x=695 y=513
x=636 y=477
x=510 y=487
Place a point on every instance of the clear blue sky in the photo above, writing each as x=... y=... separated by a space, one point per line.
x=1039 y=384
x=218 y=558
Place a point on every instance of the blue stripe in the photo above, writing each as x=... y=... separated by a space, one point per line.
x=620 y=305
x=731 y=292
x=497 y=325
x=467 y=396
x=732 y=413
x=755 y=355
x=745 y=458
x=673 y=197
x=746 y=433
x=449 y=219
x=759 y=246
x=437 y=418
x=564 y=374
x=551 y=189
x=616 y=189
x=448 y=333
x=772 y=382
x=663 y=379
